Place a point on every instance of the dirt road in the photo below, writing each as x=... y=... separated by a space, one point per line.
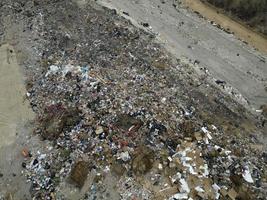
x=15 y=113
x=184 y=33
x=12 y=107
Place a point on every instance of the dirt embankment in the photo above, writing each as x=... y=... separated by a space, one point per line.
x=252 y=13
x=239 y=29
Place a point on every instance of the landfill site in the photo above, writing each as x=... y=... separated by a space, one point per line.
x=131 y=100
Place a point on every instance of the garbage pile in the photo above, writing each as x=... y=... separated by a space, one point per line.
x=126 y=129
x=122 y=119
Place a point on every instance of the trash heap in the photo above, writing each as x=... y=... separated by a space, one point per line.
x=122 y=119
x=115 y=128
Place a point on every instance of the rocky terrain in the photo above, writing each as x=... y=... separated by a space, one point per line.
x=119 y=117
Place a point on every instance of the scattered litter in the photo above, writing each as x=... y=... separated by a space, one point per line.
x=247 y=176
x=120 y=117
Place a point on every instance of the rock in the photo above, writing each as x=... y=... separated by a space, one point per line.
x=220 y=82
x=145 y=24
x=23 y=164
x=125 y=13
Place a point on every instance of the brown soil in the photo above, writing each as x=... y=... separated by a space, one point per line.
x=240 y=30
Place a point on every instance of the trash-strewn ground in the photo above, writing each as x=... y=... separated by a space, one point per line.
x=120 y=118
x=188 y=34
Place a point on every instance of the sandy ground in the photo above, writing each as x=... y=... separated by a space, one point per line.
x=15 y=114
x=184 y=33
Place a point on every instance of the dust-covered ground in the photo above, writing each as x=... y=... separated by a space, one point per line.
x=118 y=117
x=15 y=121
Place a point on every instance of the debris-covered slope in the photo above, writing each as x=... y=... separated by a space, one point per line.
x=124 y=119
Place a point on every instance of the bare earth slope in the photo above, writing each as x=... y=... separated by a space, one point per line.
x=240 y=30
x=186 y=34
